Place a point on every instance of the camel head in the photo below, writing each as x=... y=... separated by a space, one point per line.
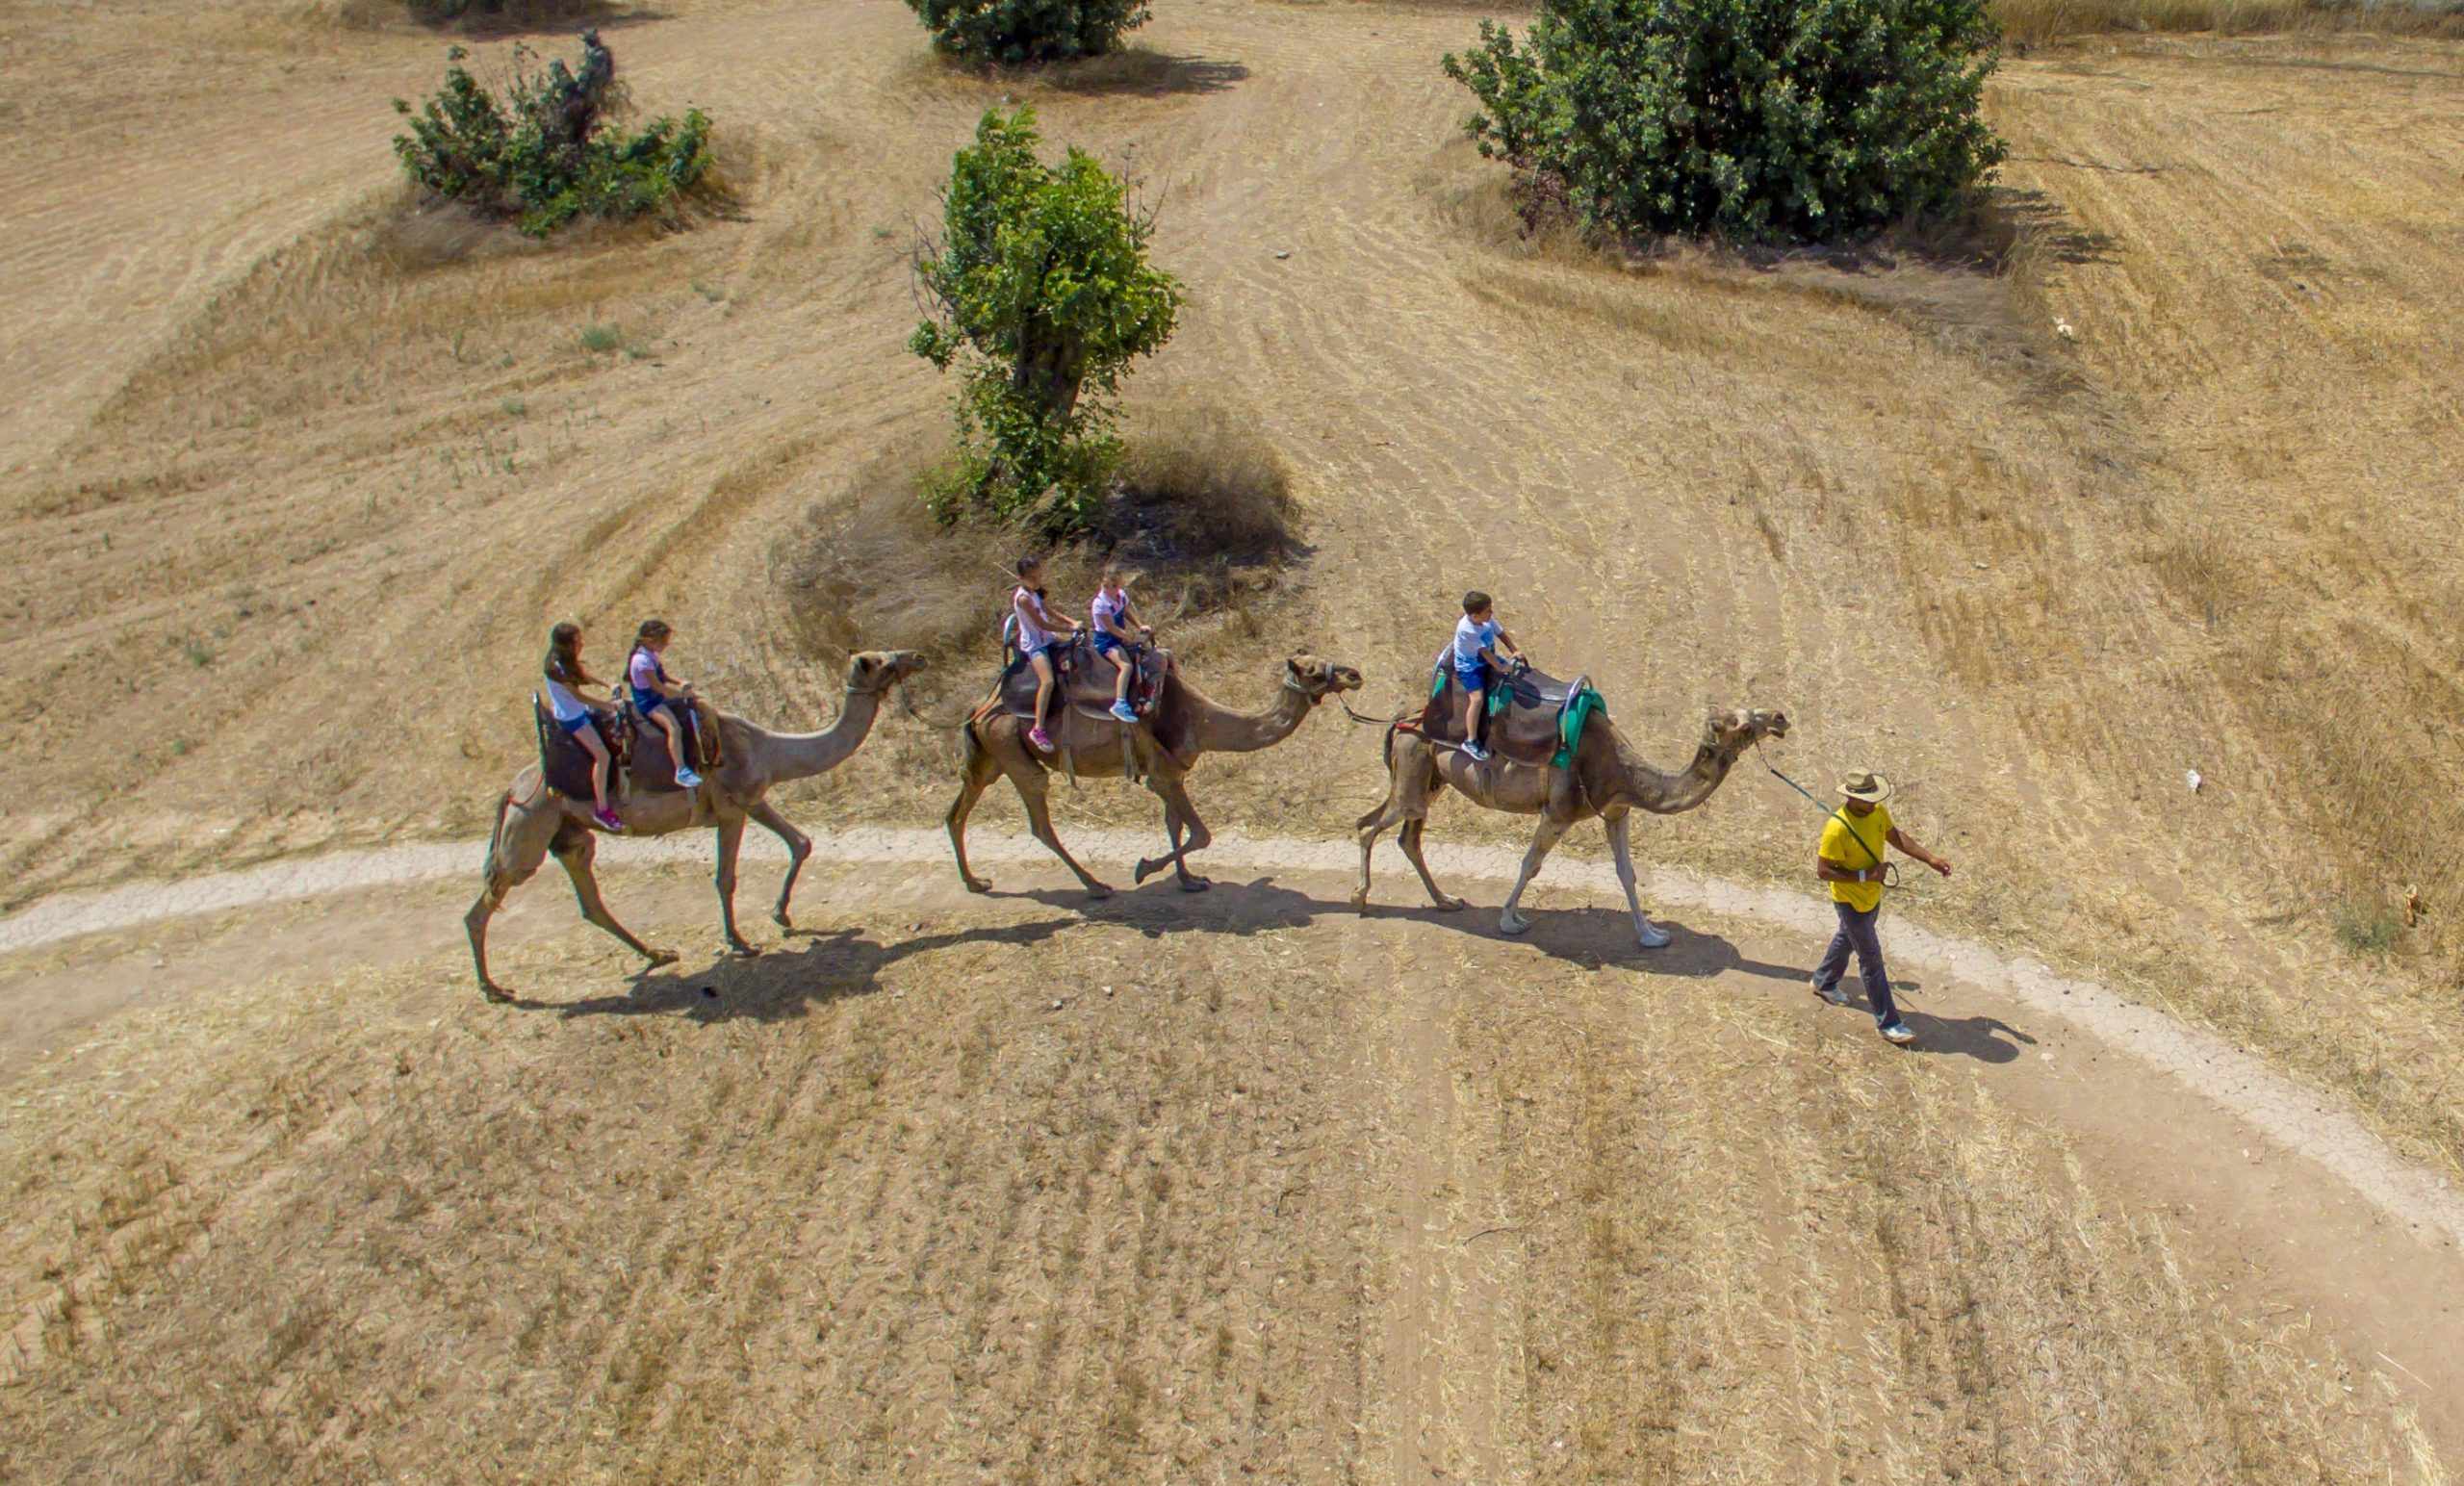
x=1317 y=680
x=878 y=671
x=1734 y=730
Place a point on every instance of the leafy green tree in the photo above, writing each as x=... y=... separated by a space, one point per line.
x=1040 y=284
x=1757 y=120
x=1014 y=33
x=545 y=155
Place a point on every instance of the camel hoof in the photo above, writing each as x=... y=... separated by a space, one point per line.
x=1360 y=901
x=494 y=993
x=1512 y=924
x=1195 y=885
x=976 y=883
x=1099 y=889
x=1653 y=936
x=662 y=957
x=1146 y=870
x=781 y=919
x=743 y=951
x=1457 y=905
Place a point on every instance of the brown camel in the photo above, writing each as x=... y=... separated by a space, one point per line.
x=1183 y=725
x=533 y=820
x=1605 y=780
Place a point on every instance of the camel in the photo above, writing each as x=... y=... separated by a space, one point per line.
x=1163 y=748
x=533 y=820
x=1605 y=778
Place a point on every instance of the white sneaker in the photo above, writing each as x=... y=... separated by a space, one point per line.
x=688 y=779
x=1836 y=995
x=1899 y=1034
x=1476 y=752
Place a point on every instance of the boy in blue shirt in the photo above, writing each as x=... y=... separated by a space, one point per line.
x=1478 y=639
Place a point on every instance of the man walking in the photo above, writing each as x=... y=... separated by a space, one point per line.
x=1850 y=858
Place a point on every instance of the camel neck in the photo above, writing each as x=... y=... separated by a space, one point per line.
x=1222 y=731
x=1667 y=794
x=799 y=756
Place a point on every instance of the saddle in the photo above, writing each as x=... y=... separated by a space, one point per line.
x=1526 y=717
x=637 y=749
x=1081 y=681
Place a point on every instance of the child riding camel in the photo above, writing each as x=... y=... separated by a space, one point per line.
x=660 y=696
x=566 y=676
x=1478 y=641
x=1038 y=636
x=1112 y=622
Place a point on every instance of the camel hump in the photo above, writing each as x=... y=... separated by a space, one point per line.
x=1082 y=680
x=1530 y=716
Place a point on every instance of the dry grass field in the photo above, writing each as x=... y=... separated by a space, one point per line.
x=295 y=473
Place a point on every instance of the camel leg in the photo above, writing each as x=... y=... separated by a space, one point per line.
x=576 y=850
x=1034 y=791
x=1511 y=921
x=1410 y=842
x=514 y=855
x=799 y=847
x=1646 y=932
x=1178 y=812
x=978 y=769
x=731 y=829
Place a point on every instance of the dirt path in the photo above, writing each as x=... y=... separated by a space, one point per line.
x=2293 y=1199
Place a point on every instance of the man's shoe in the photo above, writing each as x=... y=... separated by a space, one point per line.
x=1899 y=1034
x=1122 y=711
x=1835 y=994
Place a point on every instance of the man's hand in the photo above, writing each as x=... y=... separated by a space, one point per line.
x=1938 y=865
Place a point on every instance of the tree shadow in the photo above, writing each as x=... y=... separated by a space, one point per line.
x=1139 y=73
x=519 y=18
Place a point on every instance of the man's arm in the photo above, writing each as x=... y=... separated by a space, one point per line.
x=1900 y=839
x=1831 y=871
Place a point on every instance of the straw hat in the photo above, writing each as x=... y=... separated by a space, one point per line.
x=1866 y=785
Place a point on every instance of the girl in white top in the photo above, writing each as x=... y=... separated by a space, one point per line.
x=1038 y=627
x=565 y=675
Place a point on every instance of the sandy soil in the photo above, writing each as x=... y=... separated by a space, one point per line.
x=305 y=474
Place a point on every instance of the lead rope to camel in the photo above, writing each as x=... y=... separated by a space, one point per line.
x=1891 y=869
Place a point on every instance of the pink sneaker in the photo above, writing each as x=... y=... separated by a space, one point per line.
x=607 y=819
x=1040 y=738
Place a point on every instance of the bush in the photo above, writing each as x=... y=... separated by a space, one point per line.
x=542 y=157
x=1757 y=120
x=1012 y=33
x=1040 y=284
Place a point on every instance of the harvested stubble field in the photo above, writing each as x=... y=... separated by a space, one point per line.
x=297 y=474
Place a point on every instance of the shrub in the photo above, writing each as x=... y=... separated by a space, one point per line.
x=1012 y=33
x=1757 y=120
x=1040 y=284
x=544 y=155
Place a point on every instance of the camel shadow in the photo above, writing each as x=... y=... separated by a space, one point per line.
x=1593 y=938
x=786 y=982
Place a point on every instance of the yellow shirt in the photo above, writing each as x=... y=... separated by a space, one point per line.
x=1872 y=830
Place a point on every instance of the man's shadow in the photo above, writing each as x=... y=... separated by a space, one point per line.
x=1971 y=1037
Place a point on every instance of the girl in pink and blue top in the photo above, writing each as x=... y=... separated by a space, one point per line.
x=655 y=690
x=1038 y=636
x=1114 y=641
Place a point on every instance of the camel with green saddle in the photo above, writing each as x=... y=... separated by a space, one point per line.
x=534 y=819
x=1177 y=724
x=1555 y=754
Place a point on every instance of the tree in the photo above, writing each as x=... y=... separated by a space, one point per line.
x=1757 y=120
x=1014 y=33
x=1040 y=284
x=546 y=155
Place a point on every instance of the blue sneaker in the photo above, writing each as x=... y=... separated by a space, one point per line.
x=688 y=779
x=1122 y=711
x=1476 y=752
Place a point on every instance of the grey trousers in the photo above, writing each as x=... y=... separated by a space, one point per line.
x=1857 y=932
